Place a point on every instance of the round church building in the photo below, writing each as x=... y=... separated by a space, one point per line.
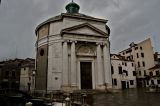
x=73 y=52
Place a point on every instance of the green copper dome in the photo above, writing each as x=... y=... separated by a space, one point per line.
x=72 y=7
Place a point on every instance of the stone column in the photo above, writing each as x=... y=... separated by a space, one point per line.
x=73 y=65
x=65 y=64
x=107 y=65
x=99 y=65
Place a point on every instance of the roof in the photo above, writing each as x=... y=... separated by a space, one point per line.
x=76 y=15
x=17 y=61
x=122 y=58
x=28 y=65
x=157 y=66
x=135 y=44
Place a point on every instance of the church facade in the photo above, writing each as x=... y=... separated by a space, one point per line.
x=73 y=52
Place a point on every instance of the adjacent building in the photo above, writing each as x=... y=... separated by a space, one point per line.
x=73 y=52
x=27 y=75
x=157 y=58
x=154 y=74
x=10 y=73
x=142 y=55
x=123 y=72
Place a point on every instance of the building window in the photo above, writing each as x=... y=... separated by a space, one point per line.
x=41 y=52
x=150 y=73
x=152 y=82
x=6 y=74
x=139 y=73
x=147 y=82
x=120 y=70
x=24 y=68
x=125 y=64
x=112 y=69
x=123 y=53
x=138 y=64
x=122 y=63
x=143 y=64
x=132 y=57
x=135 y=48
x=13 y=74
x=124 y=71
x=158 y=81
x=19 y=64
x=115 y=81
x=128 y=58
x=132 y=65
x=157 y=72
x=141 y=48
x=144 y=72
x=137 y=55
x=134 y=73
x=142 y=55
x=131 y=82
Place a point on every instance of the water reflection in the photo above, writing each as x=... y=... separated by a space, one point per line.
x=133 y=97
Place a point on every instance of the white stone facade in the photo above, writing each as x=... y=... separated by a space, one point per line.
x=74 y=40
x=123 y=78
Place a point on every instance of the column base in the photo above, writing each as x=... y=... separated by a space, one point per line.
x=74 y=87
x=103 y=87
x=69 y=88
x=100 y=87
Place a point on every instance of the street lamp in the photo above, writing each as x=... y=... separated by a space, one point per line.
x=31 y=82
x=33 y=78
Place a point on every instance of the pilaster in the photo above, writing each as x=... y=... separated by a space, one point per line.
x=107 y=65
x=100 y=79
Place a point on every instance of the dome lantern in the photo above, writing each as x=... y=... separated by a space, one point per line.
x=72 y=8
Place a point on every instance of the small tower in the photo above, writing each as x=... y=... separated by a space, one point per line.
x=72 y=8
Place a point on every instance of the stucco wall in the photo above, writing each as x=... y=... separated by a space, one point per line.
x=122 y=77
x=41 y=72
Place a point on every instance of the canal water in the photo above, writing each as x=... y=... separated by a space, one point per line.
x=132 y=97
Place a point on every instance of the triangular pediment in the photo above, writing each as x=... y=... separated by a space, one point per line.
x=85 y=29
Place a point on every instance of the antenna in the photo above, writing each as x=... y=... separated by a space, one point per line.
x=72 y=0
x=16 y=51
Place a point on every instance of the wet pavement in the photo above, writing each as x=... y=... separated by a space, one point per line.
x=132 y=97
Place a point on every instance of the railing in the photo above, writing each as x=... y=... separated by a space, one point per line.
x=69 y=99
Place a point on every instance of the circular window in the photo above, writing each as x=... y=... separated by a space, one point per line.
x=42 y=52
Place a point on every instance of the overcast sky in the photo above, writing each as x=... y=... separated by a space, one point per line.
x=129 y=20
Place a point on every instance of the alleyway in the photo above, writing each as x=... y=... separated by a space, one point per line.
x=131 y=97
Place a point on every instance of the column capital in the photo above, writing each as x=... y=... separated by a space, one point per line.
x=105 y=44
x=99 y=43
x=73 y=41
x=65 y=41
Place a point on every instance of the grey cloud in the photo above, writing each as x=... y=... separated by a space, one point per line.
x=129 y=20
